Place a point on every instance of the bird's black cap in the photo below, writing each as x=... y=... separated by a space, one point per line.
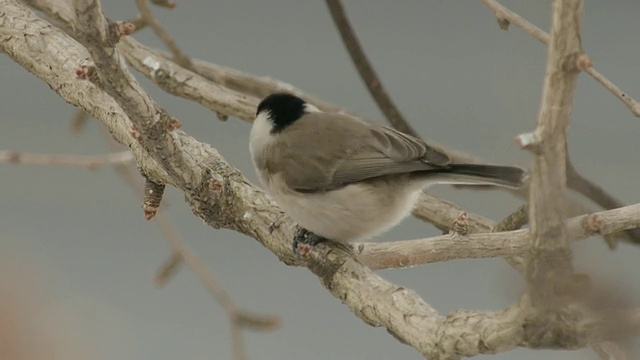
x=284 y=109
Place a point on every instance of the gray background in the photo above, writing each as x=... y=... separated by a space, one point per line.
x=460 y=80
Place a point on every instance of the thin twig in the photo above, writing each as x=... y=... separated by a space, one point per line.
x=442 y=214
x=513 y=221
x=366 y=70
x=147 y=15
x=503 y=12
x=86 y=161
x=597 y=194
x=168 y=269
x=138 y=22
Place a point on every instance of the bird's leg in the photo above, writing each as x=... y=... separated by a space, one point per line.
x=304 y=240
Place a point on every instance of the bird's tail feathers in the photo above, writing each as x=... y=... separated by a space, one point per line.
x=473 y=174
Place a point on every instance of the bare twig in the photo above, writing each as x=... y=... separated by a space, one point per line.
x=514 y=221
x=87 y=161
x=590 y=190
x=593 y=191
x=400 y=254
x=138 y=22
x=504 y=13
x=187 y=84
x=149 y=19
x=168 y=269
x=442 y=214
x=235 y=80
x=366 y=70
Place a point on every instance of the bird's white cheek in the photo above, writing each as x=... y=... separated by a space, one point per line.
x=260 y=136
x=259 y=141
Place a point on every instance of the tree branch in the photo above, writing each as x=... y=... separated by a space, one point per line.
x=366 y=70
x=593 y=191
x=409 y=253
x=151 y=121
x=551 y=257
x=149 y=19
x=514 y=221
x=176 y=80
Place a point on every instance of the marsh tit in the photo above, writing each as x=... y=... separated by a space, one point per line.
x=345 y=179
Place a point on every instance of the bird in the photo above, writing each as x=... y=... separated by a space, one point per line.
x=343 y=179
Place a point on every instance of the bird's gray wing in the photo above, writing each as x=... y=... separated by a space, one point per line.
x=402 y=147
x=387 y=152
x=344 y=151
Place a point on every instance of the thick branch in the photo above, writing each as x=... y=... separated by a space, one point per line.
x=147 y=117
x=549 y=243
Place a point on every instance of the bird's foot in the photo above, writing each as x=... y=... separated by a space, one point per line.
x=304 y=241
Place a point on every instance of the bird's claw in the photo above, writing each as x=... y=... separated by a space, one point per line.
x=304 y=241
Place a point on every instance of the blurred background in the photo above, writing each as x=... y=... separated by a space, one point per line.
x=80 y=238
